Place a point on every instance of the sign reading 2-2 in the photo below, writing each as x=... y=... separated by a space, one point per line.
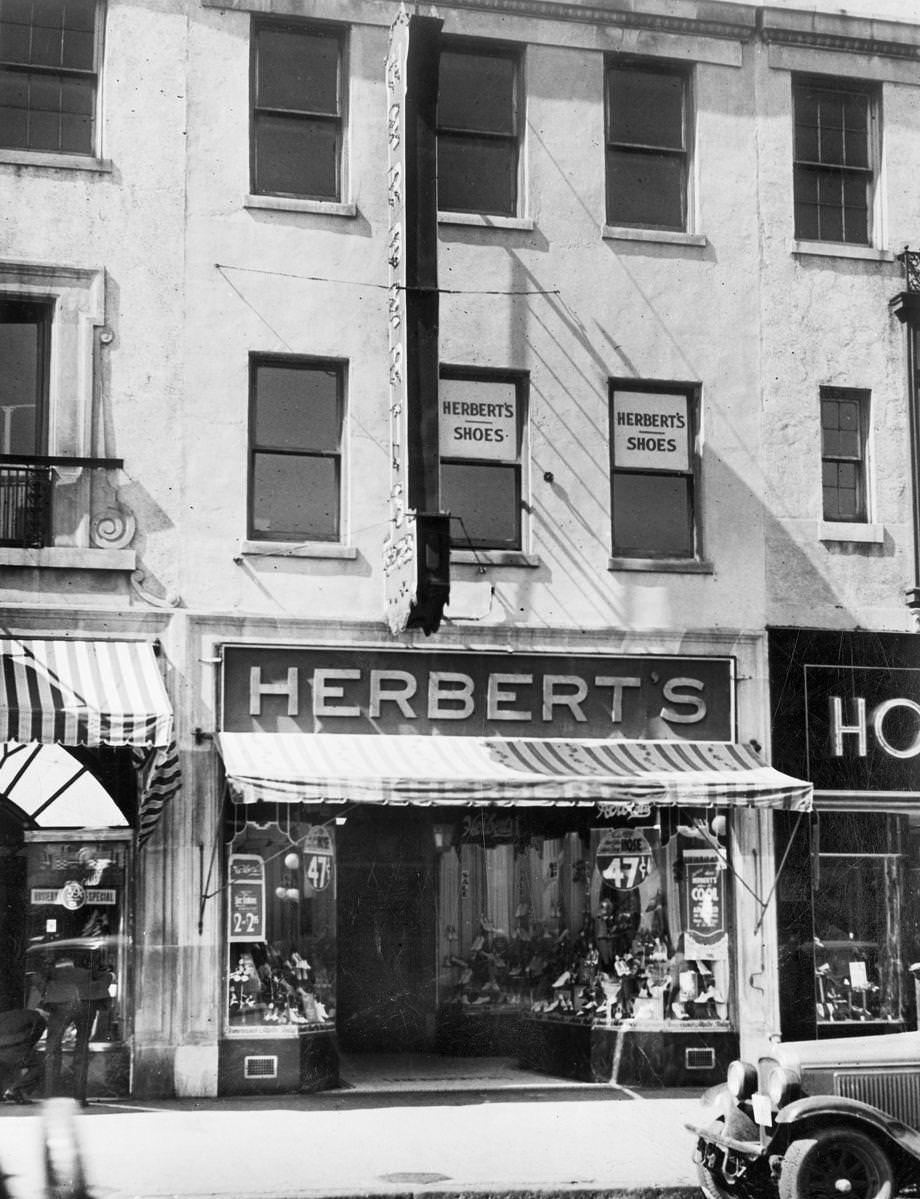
x=624 y=858
x=246 y=897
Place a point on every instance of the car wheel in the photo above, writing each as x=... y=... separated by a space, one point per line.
x=836 y=1163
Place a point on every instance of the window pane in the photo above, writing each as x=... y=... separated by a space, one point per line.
x=76 y=134
x=484 y=503
x=295 y=496
x=652 y=514
x=78 y=49
x=298 y=71
x=80 y=14
x=297 y=409
x=15 y=40
x=296 y=156
x=477 y=175
x=476 y=93
x=646 y=108
x=645 y=189
x=44 y=131
x=77 y=96
x=46 y=48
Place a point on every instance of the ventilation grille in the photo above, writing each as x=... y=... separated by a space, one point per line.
x=260 y=1067
x=699 y=1059
x=894 y=1091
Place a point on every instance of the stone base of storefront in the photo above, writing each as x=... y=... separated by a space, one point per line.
x=479 y=1032
x=265 y=1066
x=625 y=1054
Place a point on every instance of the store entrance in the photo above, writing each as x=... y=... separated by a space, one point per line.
x=386 y=932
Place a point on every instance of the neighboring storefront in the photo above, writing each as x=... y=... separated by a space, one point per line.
x=473 y=852
x=71 y=823
x=846 y=716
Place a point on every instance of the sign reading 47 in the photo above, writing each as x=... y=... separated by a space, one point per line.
x=624 y=858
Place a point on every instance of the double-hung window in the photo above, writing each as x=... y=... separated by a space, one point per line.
x=844 y=433
x=481 y=424
x=647 y=145
x=296 y=420
x=653 y=469
x=49 y=51
x=478 y=130
x=835 y=154
x=297 y=110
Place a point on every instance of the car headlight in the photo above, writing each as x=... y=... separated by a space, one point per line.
x=777 y=1082
x=741 y=1080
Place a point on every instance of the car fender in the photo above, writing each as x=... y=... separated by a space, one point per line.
x=828 y=1108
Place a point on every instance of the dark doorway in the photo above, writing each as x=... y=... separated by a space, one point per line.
x=386 y=932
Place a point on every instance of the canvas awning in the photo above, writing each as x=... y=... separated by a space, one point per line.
x=82 y=693
x=413 y=769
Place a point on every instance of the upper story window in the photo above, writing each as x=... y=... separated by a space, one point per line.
x=647 y=145
x=25 y=338
x=653 y=469
x=478 y=130
x=296 y=420
x=297 y=110
x=844 y=433
x=480 y=427
x=834 y=160
x=49 y=51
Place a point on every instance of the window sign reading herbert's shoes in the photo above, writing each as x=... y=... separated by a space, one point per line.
x=478 y=419
x=651 y=431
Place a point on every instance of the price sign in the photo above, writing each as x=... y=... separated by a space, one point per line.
x=624 y=858
x=318 y=856
x=318 y=870
x=246 y=897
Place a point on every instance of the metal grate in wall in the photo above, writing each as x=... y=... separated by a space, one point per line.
x=894 y=1091
x=696 y=1058
x=260 y=1067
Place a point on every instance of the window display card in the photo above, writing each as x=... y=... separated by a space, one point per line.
x=858 y=979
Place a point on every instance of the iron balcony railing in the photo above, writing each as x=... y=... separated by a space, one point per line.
x=27 y=495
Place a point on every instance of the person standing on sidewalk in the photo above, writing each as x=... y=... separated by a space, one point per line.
x=74 y=995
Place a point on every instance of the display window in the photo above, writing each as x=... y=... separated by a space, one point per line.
x=280 y=919
x=627 y=921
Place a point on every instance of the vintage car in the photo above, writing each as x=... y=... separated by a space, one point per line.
x=815 y=1120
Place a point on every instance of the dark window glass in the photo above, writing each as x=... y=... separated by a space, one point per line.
x=297 y=124
x=652 y=472
x=24 y=340
x=833 y=173
x=48 y=75
x=478 y=131
x=843 y=441
x=296 y=434
x=646 y=147
x=480 y=430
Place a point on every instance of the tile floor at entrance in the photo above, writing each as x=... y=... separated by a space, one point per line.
x=438 y=1072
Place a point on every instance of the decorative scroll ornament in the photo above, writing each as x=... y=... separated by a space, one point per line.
x=113 y=528
x=170 y=600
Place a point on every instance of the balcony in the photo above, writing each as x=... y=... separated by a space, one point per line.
x=63 y=511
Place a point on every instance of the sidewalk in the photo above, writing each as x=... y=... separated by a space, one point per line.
x=482 y=1141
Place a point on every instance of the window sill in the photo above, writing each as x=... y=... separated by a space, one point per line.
x=60 y=162
x=69 y=557
x=666 y=237
x=483 y=221
x=836 y=249
x=496 y=558
x=834 y=530
x=292 y=204
x=689 y=566
x=297 y=549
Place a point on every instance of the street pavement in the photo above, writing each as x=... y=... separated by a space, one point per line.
x=573 y=1141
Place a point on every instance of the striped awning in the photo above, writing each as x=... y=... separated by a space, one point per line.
x=412 y=769
x=82 y=693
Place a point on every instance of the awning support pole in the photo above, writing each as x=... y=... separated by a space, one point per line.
x=779 y=871
x=30 y=758
x=60 y=791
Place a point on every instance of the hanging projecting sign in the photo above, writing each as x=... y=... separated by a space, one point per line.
x=651 y=431
x=624 y=858
x=478 y=419
x=704 y=883
x=246 y=897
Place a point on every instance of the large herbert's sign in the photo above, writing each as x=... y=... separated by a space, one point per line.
x=273 y=689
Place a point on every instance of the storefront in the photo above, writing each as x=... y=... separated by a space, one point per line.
x=472 y=853
x=846 y=716
x=87 y=762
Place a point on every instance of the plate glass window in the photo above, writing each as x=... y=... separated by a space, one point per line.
x=480 y=436
x=297 y=122
x=478 y=124
x=647 y=152
x=844 y=424
x=652 y=471
x=295 y=455
x=834 y=169
x=48 y=75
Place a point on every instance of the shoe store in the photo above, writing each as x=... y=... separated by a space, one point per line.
x=846 y=716
x=472 y=854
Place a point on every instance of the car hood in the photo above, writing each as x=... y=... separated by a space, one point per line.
x=888 y=1049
